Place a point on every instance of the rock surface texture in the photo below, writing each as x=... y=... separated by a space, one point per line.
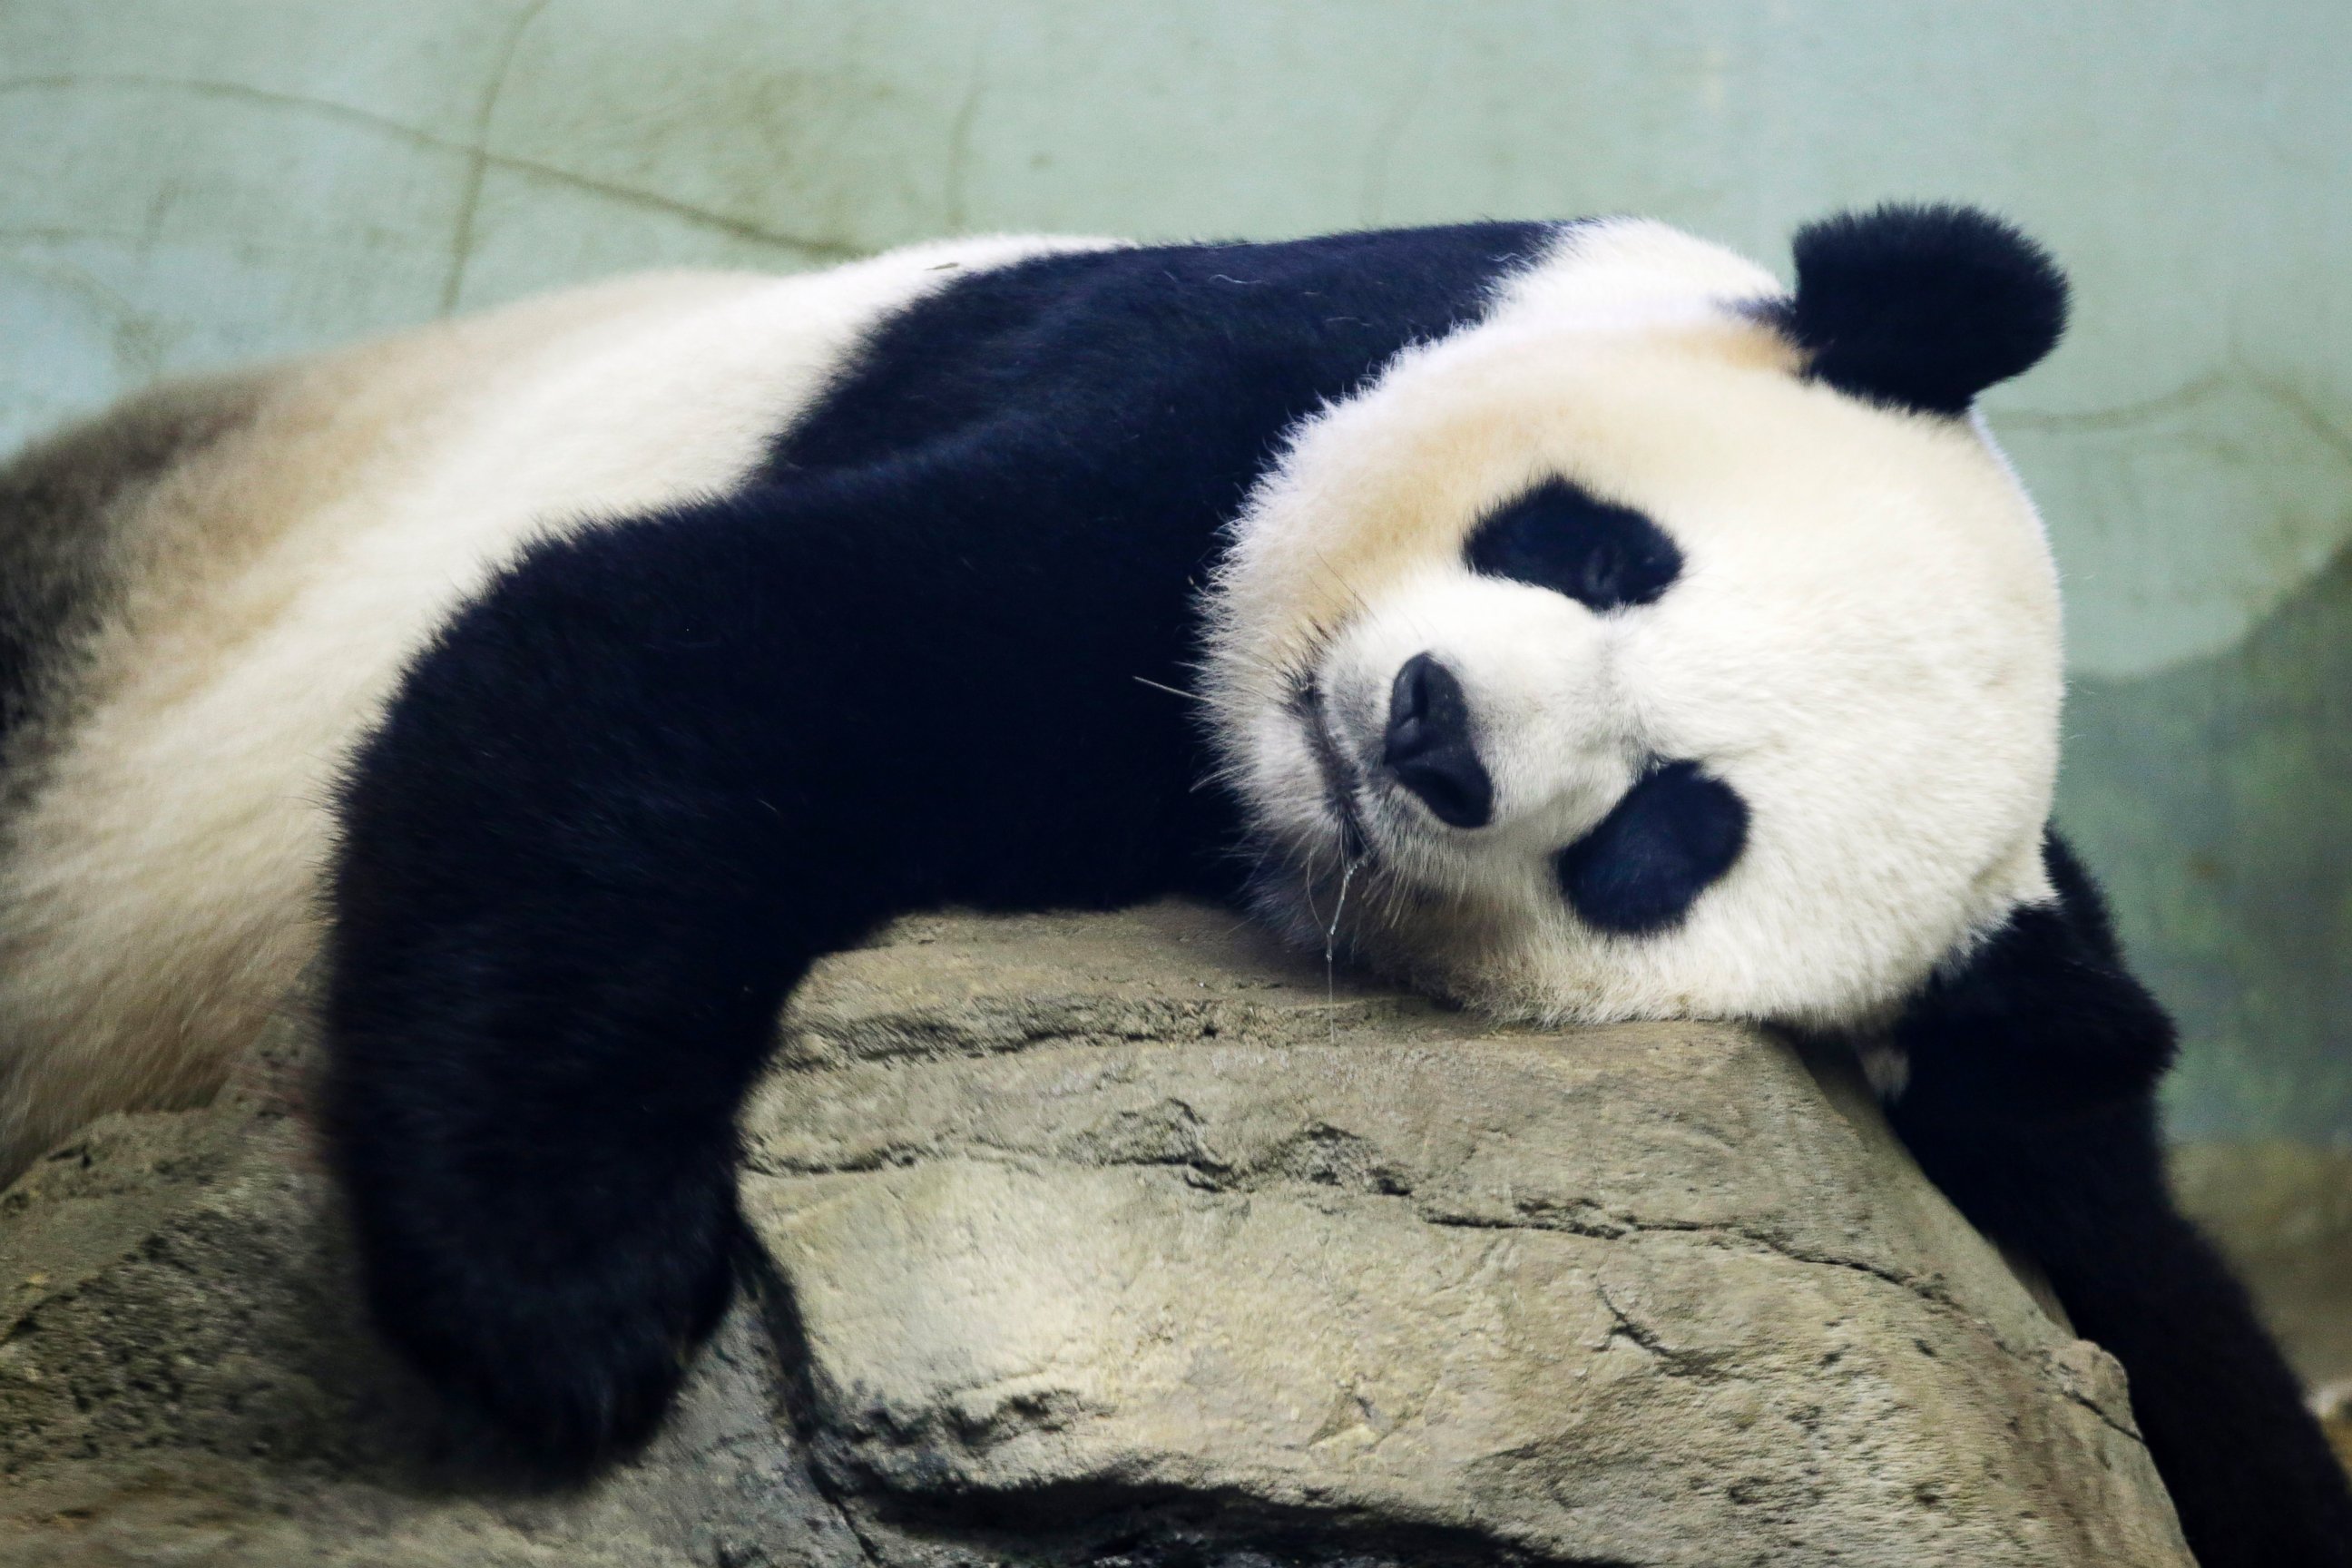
x=1120 y=1240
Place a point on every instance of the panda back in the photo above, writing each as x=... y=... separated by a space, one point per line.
x=208 y=592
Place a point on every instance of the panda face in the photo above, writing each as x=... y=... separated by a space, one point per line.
x=1597 y=662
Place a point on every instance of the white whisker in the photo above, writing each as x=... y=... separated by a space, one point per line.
x=1172 y=690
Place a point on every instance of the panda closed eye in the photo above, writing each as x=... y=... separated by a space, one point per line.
x=1562 y=537
x=1641 y=867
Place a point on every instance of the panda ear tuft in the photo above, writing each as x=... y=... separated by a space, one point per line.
x=1922 y=307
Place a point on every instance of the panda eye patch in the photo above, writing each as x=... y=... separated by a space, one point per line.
x=1675 y=833
x=1557 y=536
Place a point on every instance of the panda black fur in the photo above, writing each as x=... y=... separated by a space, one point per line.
x=1584 y=627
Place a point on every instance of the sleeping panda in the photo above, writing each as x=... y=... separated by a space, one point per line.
x=1564 y=617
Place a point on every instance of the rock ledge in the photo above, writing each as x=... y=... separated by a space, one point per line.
x=1122 y=1240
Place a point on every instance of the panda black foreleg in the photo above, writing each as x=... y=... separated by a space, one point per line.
x=614 y=813
x=2030 y=1102
x=559 y=929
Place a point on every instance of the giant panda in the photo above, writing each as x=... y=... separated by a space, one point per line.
x=1565 y=617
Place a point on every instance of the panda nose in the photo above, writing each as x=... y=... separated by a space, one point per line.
x=1428 y=745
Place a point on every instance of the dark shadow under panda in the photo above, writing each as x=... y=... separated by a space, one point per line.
x=1576 y=624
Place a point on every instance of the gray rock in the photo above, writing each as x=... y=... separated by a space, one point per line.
x=1121 y=1240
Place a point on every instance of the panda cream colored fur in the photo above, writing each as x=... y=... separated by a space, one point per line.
x=1578 y=624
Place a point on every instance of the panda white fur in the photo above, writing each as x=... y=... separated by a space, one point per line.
x=1576 y=623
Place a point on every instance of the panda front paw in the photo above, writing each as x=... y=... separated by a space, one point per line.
x=568 y=1319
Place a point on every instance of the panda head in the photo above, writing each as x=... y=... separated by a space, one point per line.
x=1667 y=644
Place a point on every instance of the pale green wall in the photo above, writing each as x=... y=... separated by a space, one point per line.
x=185 y=183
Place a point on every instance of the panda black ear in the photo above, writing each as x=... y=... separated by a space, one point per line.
x=1922 y=307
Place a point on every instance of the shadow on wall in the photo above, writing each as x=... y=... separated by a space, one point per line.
x=2215 y=801
x=2216 y=805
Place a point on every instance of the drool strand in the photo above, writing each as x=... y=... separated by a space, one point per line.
x=1331 y=947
